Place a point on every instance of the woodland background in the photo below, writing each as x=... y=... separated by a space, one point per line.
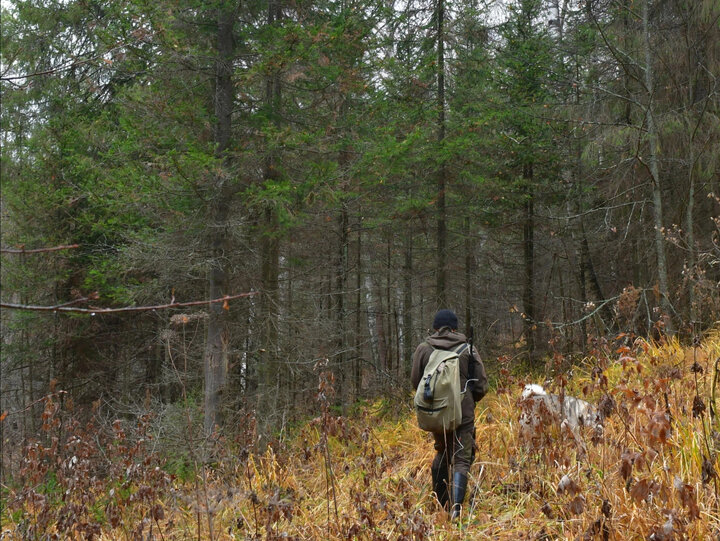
x=341 y=169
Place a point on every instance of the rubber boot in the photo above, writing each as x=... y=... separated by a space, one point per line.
x=458 y=494
x=440 y=483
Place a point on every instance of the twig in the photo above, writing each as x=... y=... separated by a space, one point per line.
x=38 y=250
x=68 y=309
x=76 y=301
x=159 y=528
x=713 y=387
x=56 y=393
x=589 y=315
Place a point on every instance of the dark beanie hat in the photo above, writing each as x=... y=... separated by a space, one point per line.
x=445 y=318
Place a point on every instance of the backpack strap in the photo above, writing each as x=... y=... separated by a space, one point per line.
x=471 y=372
x=471 y=379
x=461 y=348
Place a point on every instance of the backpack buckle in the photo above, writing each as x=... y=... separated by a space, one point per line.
x=427 y=393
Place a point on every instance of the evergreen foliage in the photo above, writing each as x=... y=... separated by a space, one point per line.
x=319 y=156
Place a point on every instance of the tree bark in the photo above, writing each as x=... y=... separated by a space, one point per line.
x=357 y=368
x=215 y=356
x=690 y=232
x=693 y=62
x=373 y=324
x=341 y=265
x=341 y=278
x=653 y=165
x=470 y=271
x=407 y=319
x=590 y=275
x=389 y=333
x=529 y=321
x=441 y=267
x=269 y=369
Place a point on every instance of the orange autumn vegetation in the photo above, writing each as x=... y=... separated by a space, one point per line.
x=650 y=474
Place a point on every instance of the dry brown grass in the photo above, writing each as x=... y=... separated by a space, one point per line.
x=650 y=475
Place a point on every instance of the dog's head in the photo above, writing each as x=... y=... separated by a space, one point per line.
x=532 y=389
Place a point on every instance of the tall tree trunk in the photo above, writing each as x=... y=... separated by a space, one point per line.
x=530 y=320
x=269 y=370
x=470 y=271
x=441 y=267
x=382 y=335
x=270 y=253
x=215 y=357
x=373 y=324
x=389 y=319
x=693 y=62
x=591 y=276
x=654 y=147
x=627 y=79
x=341 y=265
x=575 y=226
x=407 y=319
x=690 y=232
x=341 y=277
x=357 y=368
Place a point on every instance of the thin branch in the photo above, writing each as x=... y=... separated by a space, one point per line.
x=77 y=61
x=77 y=301
x=561 y=325
x=629 y=99
x=38 y=250
x=93 y=311
x=26 y=408
x=618 y=54
x=595 y=209
x=50 y=71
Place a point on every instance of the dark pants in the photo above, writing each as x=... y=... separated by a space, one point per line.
x=454 y=453
x=455 y=450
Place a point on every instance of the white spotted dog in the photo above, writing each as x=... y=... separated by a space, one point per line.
x=539 y=410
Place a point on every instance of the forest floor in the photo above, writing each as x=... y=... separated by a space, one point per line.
x=649 y=473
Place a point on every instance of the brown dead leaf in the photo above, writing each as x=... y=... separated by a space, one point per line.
x=640 y=490
x=686 y=495
x=627 y=460
x=606 y=406
x=698 y=407
x=658 y=429
x=577 y=505
x=598 y=528
x=708 y=470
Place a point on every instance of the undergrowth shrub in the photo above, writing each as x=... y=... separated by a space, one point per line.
x=648 y=472
x=81 y=477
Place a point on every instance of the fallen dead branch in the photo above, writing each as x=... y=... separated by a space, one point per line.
x=65 y=308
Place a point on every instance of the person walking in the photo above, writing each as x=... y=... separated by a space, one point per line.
x=454 y=451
